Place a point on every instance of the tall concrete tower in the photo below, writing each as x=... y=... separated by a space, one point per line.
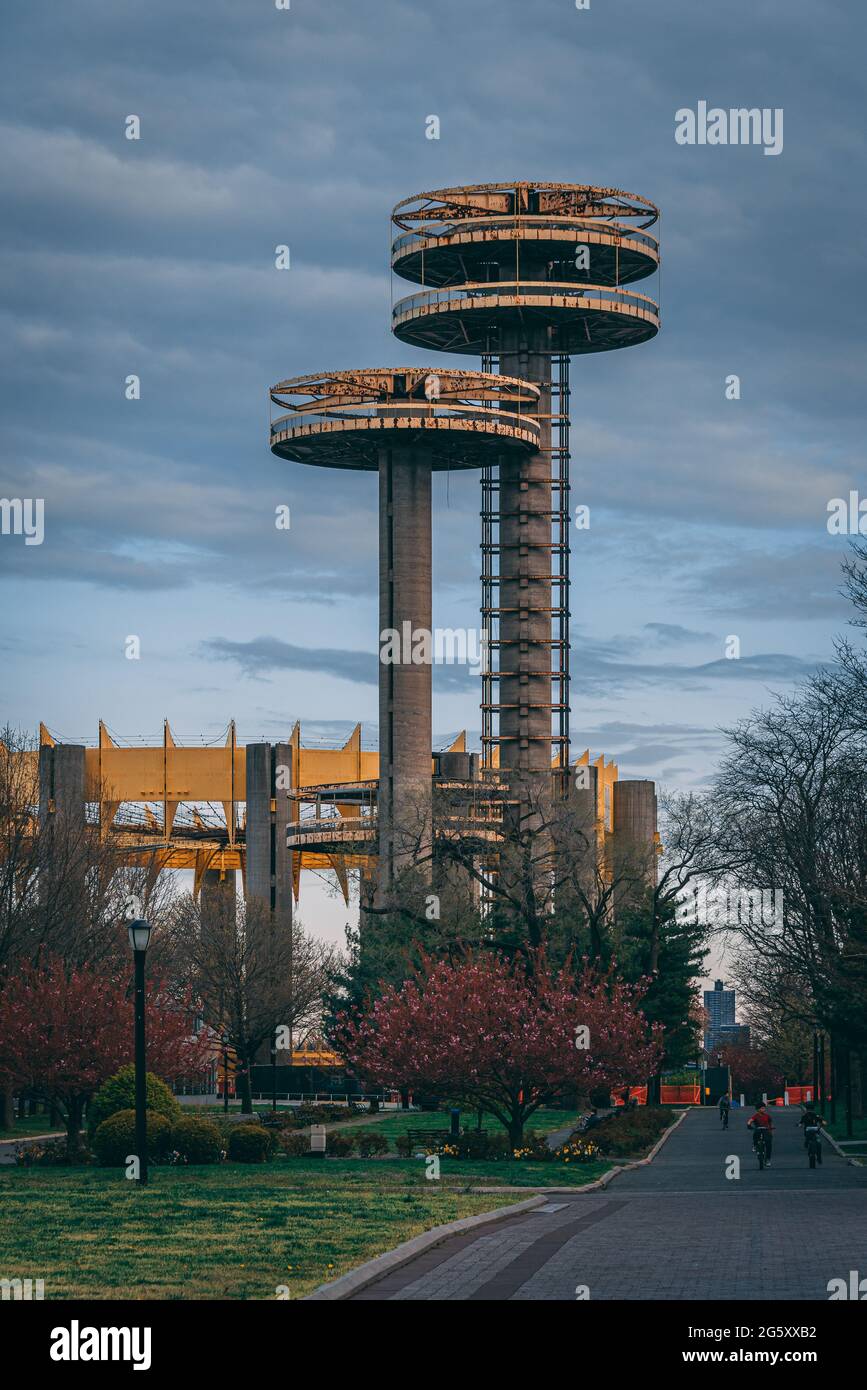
x=524 y=275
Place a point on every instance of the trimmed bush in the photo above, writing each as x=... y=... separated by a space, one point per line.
x=196 y=1140
x=51 y=1153
x=293 y=1144
x=629 y=1131
x=114 y=1140
x=370 y=1143
x=339 y=1145
x=118 y=1093
x=250 y=1144
x=476 y=1143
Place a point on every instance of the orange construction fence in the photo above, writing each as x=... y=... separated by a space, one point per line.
x=673 y=1095
x=637 y=1093
x=798 y=1095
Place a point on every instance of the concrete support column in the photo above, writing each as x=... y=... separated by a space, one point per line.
x=269 y=879
x=63 y=832
x=634 y=822
x=525 y=576
x=218 y=902
x=62 y=782
x=404 y=806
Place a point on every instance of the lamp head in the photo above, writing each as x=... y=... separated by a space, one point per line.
x=139 y=934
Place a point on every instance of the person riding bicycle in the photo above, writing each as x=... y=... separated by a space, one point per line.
x=812 y=1122
x=725 y=1106
x=762 y=1122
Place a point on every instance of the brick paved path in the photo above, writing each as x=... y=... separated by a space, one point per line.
x=676 y=1229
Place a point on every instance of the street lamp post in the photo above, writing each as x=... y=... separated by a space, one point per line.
x=274 y=1074
x=139 y=937
x=225 y=1041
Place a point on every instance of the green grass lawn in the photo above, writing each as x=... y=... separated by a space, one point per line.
x=838 y=1127
x=393 y=1123
x=31 y=1125
x=233 y=1230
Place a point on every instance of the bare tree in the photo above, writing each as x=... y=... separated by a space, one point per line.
x=251 y=974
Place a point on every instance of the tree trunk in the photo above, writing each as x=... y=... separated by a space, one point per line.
x=242 y=1085
x=7 y=1110
x=848 y=1065
x=516 y=1133
x=835 y=1077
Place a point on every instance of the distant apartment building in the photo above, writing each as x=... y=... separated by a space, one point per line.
x=722 y=1030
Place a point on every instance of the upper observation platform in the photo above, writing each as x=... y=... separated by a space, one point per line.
x=459 y=419
x=496 y=259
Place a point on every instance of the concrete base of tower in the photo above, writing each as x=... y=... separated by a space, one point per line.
x=269 y=862
x=404 y=798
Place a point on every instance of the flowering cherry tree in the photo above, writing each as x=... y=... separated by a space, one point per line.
x=505 y=1038
x=63 y=1032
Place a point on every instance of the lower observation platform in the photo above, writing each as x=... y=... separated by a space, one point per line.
x=460 y=419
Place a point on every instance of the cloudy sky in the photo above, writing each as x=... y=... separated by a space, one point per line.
x=303 y=126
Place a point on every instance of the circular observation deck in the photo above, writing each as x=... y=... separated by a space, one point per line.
x=461 y=419
x=532 y=232
x=477 y=319
x=359 y=835
x=548 y=261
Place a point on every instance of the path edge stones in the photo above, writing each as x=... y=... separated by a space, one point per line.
x=391 y=1260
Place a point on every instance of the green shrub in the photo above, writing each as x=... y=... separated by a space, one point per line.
x=629 y=1131
x=195 y=1140
x=369 y=1142
x=476 y=1143
x=534 y=1149
x=250 y=1144
x=405 y=1145
x=114 y=1140
x=293 y=1144
x=118 y=1093
x=339 y=1145
x=50 y=1153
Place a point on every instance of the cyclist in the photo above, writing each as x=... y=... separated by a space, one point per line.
x=724 y=1108
x=811 y=1120
x=761 y=1120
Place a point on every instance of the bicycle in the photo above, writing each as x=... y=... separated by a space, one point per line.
x=760 y=1144
x=814 y=1145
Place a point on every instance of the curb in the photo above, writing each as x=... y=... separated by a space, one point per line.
x=853 y=1160
x=606 y=1177
x=374 y=1269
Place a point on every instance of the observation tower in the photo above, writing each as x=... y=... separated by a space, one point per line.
x=524 y=276
x=404 y=424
